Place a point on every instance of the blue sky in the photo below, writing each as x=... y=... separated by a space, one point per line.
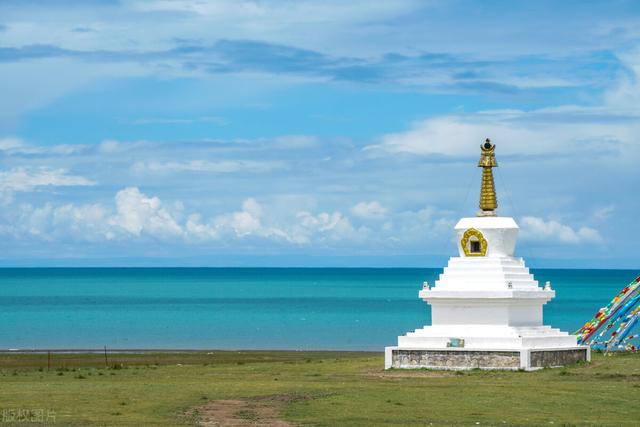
x=311 y=133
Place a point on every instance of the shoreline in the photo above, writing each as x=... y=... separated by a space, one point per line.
x=169 y=350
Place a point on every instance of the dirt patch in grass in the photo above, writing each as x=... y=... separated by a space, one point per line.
x=254 y=411
x=232 y=413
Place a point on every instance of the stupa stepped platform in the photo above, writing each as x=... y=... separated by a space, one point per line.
x=486 y=262
x=488 y=330
x=487 y=282
x=489 y=293
x=487 y=337
x=485 y=273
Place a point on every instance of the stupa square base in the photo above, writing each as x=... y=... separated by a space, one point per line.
x=489 y=359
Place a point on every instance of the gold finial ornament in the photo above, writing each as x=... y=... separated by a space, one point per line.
x=488 y=199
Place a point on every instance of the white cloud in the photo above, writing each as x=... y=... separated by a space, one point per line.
x=149 y=25
x=138 y=213
x=327 y=226
x=85 y=222
x=422 y=227
x=110 y=146
x=534 y=228
x=66 y=222
x=303 y=228
x=557 y=131
x=135 y=215
x=180 y=121
x=274 y=15
x=323 y=221
x=244 y=222
x=612 y=126
x=625 y=94
x=13 y=146
x=295 y=141
x=27 y=179
x=369 y=210
x=223 y=166
x=604 y=212
x=10 y=143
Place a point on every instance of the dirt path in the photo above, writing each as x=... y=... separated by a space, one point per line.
x=261 y=411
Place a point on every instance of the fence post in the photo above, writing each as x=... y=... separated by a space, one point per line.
x=106 y=361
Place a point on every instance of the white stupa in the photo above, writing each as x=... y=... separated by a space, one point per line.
x=486 y=307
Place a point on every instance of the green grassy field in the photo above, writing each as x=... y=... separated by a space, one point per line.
x=308 y=388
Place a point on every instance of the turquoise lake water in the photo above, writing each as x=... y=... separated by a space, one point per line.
x=247 y=308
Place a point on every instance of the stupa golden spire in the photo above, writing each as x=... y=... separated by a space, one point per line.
x=488 y=199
